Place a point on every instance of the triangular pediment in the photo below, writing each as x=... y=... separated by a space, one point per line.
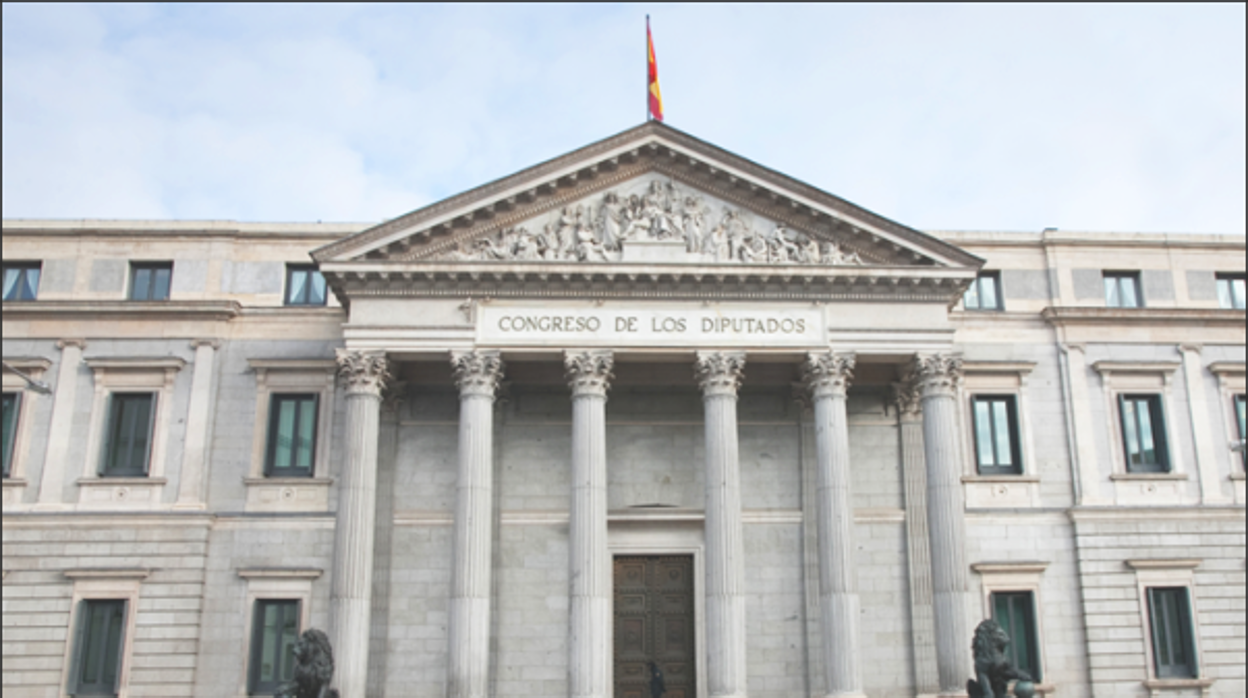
x=650 y=195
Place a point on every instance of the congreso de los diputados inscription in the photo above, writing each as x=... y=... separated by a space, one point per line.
x=648 y=418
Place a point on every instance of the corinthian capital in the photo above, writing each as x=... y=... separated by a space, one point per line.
x=363 y=371
x=938 y=374
x=908 y=393
x=827 y=374
x=477 y=372
x=588 y=372
x=719 y=372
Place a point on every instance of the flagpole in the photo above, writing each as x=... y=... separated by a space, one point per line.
x=647 y=92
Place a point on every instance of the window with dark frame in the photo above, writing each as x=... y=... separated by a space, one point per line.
x=1230 y=291
x=304 y=285
x=984 y=292
x=1143 y=434
x=149 y=281
x=1239 y=422
x=97 y=654
x=21 y=281
x=1122 y=289
x=1174 y=644
x=995 y=420
x=12 y=402
x=291 y=449
x=129 y=436
x=275 y=630
x=1015 y=612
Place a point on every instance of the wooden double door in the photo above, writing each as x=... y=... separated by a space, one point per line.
x=654 y=626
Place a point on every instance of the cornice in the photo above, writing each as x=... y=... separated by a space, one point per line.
x=117 y=310
x=651 y=281
x=1062 y=316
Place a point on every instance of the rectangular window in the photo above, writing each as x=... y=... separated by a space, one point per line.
x=97 y=657
x=1122 y=289
x=1015 y=612
x=129 y=445
x=1230 y=291
x=1174 y=647
x=304 y=285
x=149 y=281
x=11 y=403
x=996 y=435
x=1143 y=434
x=1239 y=422
x=21 y=281
x=984 y=293
x=275 y=630
x=292 y=435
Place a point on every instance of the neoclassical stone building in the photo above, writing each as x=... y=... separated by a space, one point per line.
x=646 y=409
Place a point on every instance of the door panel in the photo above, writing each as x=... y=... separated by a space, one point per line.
x=654 y=623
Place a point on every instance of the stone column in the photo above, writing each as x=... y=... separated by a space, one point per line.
x=195 y=450
x=363 y=375
x=720 y=374
x=477 y=373
x=60 y=429
x=827 y=376
x=939 y=375
x=1202 y=438
x=589 y=639
x=918 y=546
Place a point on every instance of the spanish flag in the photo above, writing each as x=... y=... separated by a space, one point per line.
x=652 y=77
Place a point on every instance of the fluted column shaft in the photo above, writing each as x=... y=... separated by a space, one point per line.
x=827 y=376
x=918 y=547
x=719 y=374
x=939 y=375
x=468 y=668
x=60 y=428
x=589 y=641
x=363 y=375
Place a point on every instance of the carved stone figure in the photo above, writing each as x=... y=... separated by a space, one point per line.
x=577 y=232
x=993 y=670
x=314 y=668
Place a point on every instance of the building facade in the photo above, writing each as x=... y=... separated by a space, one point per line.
x=645 y=413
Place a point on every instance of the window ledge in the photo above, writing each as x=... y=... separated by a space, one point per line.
x=280 y=573
x=1148 y=476
x=1168 y=564
x=1001 y=478
x=1156 y=686
x=288 y=481
x=1238 y=476
x=108 y=573
x=14 y=482
x=105 y=481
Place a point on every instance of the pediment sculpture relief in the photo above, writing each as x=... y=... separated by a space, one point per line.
x=710 y=231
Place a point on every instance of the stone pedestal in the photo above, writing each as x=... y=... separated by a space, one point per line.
x=827 y=376
x=468 y=660
x=720 y=374
x=938 y=376
x=589 y=638
x=363 y=375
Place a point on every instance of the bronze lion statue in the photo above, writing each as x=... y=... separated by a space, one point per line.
x=314 y=668
x=993 y=670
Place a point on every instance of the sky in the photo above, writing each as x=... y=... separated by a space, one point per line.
x=1088 y=117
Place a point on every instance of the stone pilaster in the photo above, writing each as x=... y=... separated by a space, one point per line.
x=60 y=429
x=477 y=374
x=363 y=375
x=939 y=375
x=1202 y=437
x=827 y=376
x=589 y=639
x=918 y=546
x=719 y=374
x=195 y=451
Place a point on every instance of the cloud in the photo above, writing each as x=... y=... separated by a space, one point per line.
x=992 y=117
